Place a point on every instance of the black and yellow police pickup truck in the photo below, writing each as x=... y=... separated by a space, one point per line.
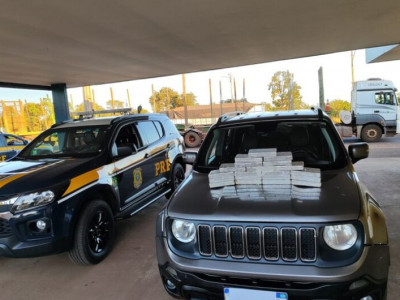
x=10 y=145
x=65 y=190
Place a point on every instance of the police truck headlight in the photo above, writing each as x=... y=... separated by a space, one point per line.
x=340 y=237
x=28 y=201
x=184 y=231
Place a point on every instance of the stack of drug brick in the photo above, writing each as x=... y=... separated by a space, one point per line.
x=306 y=184
x=275 y=172
x=266 y=174
x=222 y=181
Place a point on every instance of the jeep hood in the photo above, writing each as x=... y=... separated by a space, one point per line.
x=338 y=200
x=20 y=176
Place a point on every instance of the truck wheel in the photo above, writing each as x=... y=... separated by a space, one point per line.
x=177 y=176
x=371 y=133
x=94 y=234
x=192 y=139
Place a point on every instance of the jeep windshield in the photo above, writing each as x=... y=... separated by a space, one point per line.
x=66 y=142
x=313 y=142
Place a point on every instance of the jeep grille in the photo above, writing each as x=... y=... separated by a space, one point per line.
x=269 y=243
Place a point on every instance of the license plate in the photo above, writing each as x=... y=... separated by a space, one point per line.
x=242 y=294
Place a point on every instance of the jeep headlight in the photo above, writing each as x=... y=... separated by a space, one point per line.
x=340 y=237
x=27 y=201
x=183 y=231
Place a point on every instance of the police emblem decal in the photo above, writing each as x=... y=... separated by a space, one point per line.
x=137 y=178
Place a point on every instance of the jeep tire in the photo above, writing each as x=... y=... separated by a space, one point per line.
x=94 y=234
x=371 y=133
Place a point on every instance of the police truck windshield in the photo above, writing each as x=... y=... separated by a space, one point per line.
x=74 y=141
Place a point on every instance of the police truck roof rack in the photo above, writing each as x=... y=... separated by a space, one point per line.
x=90 y=114
x=229 y=115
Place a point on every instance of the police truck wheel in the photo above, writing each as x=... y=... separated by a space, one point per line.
x=94 y=234
x=371 y=133
x=192 y=139
x=177 y=176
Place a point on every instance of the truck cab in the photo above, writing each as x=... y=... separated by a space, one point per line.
x=375 y=108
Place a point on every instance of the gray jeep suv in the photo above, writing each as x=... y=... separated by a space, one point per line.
x=273 y=209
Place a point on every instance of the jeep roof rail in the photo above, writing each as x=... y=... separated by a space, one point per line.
x=229 y=115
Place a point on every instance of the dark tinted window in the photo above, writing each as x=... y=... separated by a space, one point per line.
x=74 y=141
x=148 y=132
x=159 y=128
x=314 y=143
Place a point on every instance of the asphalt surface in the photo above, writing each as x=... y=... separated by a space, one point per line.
x=130 y=272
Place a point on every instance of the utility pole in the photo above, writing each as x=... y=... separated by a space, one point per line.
x=321 y=88
x=112 y=97
x=291 y=106
x=230 y=82
x=93 y=98
x=153 y=98
x=244 y=93
x=220 y=95
x=87 y=98
x=211 y=104
x=168 y=102
x=184 y=99
x=129 y=98
x=234 y=90
x=72 y=101
x=352 y=54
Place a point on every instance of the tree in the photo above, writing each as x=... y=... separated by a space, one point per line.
x=167 y=99
x=81 y=107
x=190 y=100
x=337 y=105
x=281 y=90
x=117 y=104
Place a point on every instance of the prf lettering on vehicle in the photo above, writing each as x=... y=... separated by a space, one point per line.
x=162 y=166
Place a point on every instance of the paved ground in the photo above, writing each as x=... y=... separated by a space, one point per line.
x=130 y=272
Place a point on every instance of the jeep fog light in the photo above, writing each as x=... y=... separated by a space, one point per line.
x=32 y=200
x=183 y=231
x=340 y=237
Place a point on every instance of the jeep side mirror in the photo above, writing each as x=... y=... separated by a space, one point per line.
x=189 y=157
x=358 y=151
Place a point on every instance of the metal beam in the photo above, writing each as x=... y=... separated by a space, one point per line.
x=12 y=85
x=60 y=102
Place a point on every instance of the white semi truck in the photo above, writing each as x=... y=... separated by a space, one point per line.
x=374 y=111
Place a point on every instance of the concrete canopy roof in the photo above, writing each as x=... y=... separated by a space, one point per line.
x=382 y=54
x=82 y=42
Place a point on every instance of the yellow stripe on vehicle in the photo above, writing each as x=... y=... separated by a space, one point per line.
x=81 y=180
x=9 y=148
x=11 y=178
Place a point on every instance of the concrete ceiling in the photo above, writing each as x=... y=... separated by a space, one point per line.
x=82 y=42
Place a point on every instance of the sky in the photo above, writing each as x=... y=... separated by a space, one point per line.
x=336 y=68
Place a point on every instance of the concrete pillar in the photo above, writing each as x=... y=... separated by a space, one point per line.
x=60 y=102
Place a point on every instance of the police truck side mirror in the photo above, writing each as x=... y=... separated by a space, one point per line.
x=189 y=157
x=358 y=151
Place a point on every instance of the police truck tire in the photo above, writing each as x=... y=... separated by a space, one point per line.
x=94 y=234
x=371 y=133
x=177 y=176
x=192 y=139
